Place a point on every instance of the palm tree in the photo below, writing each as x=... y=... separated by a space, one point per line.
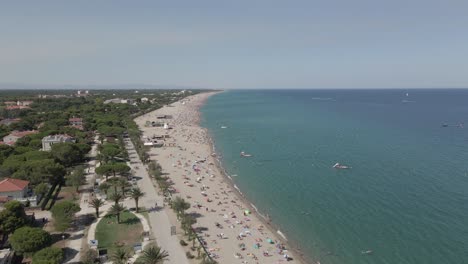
x=187 y=222
x=179 y=205
x=120 y=256
x=96 y=203
x=104 y=187
x=123 y=184
x=154 y=255
x=114 y=182
x=136 y=194
x=116 y=197
x=116 y=210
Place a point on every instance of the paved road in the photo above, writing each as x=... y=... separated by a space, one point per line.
x=159 y=220
x=76 y=239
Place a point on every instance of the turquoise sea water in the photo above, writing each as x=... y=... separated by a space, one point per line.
x=406 y=196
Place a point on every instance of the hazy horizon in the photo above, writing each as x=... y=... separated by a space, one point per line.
x=230 y=45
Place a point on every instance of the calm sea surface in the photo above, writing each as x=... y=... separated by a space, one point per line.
x=406 y=196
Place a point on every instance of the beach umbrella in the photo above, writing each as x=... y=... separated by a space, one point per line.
x=247 y=211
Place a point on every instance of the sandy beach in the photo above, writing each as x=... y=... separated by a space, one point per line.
x=233 y=235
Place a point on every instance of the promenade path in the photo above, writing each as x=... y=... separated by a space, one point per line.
x=75 y=241
x=159 y=220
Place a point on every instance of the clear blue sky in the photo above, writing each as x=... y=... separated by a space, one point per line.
x=237 y=44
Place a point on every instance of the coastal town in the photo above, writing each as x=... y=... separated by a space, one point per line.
x=100 y=177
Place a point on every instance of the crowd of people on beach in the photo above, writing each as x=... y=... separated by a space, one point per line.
x=225 y=223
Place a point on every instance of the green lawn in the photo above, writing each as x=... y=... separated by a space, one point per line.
x=110 y=234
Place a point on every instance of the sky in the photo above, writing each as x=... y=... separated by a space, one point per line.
x=236 y=44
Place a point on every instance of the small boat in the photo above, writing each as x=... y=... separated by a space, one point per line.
x=243 y=154
x=223 y=126
x=366 y=252
x=339 y=166
x=444 y=125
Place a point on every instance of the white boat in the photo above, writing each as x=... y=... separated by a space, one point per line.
x=243 y=154
x=223 y=126
x=339 y=166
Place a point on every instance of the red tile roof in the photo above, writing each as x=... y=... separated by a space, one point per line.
x=12 y=185
x=11 y=107
x=21 y=134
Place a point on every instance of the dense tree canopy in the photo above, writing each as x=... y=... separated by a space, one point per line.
x=68 y=154
x=76 y=177
x=49 y=255
x=63 y=213
x=112 y=169
x=12 y=217
x=27 y=240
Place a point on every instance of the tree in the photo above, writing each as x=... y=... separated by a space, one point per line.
x=67 y=154
x=136 y=194
x=41 y=189
x=116 y=210
x=63 y=214
x=12 y=217
x=123 y=184
x=104 y=169
x=179 y=205
x=104 y=187
x=76 y=178
x=153 y=255
x=27 y=240
x=34 y=169
x=187 y=222
x=96 y=203
x=120 y=168
x=120 y=256
x=110 y=152
x=116 y=197
x=49 y=255
x=110 y=131
x=112 y=168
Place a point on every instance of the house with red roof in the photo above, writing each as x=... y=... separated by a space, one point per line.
x=76 y=122
x=14 y=188
x=15 y=135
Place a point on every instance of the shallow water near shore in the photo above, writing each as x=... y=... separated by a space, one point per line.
x=406 y=195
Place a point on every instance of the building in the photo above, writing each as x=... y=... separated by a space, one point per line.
x=18 y=103
x=9 y=103
x=119 y=101
x=15 y=135
x=48 y=141
x=81 y=93
x=76 y=122
x=9 y=121
x=17 y=107
x=15 y=189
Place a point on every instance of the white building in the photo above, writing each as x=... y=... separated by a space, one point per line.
x=48 y=141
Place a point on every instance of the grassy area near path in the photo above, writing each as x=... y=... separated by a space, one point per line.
x=110 y=234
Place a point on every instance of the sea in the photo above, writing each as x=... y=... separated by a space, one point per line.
x=404 y=198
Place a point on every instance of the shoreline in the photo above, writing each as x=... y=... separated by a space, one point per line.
x=269 y=223
x=187 y=127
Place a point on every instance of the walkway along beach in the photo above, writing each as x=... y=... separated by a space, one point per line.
x=233 y=231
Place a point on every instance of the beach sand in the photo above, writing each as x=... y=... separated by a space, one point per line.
x=188 y=159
